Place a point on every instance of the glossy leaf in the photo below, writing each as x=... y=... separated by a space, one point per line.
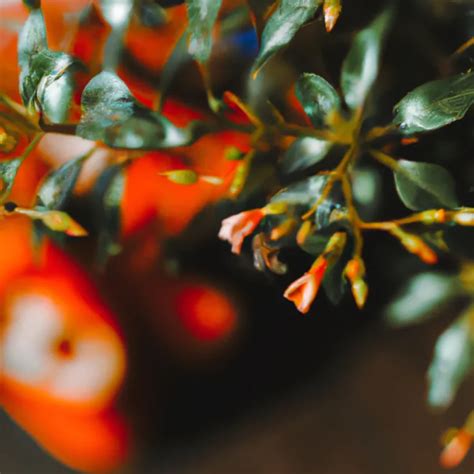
x=361 y=65
x=303 y=153
x=112 y=115
x=202 y=14
x=282 y=26
x=46 y=77
x=435 y=104
x=106 y=100
x=8 y=172
x=317 y=97
x=421 y=297
x=32 y=38
x=59 y=184
x=304 y=192
x=424 y=185
x=452 y=361
x=116 y=12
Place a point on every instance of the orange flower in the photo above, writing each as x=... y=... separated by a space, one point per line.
x=303 y=291
x=456 y=450
x=235 y=228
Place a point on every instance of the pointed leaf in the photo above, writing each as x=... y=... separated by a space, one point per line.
x=421 y=297
x=59 y=184
x=424 y=186
x=452 y=361
x=46 y=77
x=317 y=97
x=32 y=38
x=282 y=26
x=111 y=219
x=202 y=14
x=8 y=172
x=435 y=104
x=304 y=192
x=361 y=66
x=112 y=115
x=303 y=153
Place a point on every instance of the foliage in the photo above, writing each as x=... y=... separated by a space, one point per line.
x=301 y=170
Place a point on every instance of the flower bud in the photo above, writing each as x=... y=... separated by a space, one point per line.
x=181 y=176
x=415 y=245
x=464 y=217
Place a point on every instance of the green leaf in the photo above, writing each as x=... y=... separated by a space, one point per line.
x=202 y=14
x=31 y=4
x=59 y=184
x=303 y=193
x=116 y=12
x=435 y=104
x=424 y=186
x=452 y=361
x=106 y=100
x=317 y=97
x=111 y=219
x=421 y=297
x=282 y=26
x=32 y=38
x=8 y=172
x=303 y=153
x=112 y=115
x=46 y=77
x=177 y=58
x=361 y=65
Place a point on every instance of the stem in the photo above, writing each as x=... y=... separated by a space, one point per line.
x=385 y=159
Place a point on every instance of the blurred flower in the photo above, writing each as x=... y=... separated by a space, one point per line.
x=456 y=449
x=235 y=228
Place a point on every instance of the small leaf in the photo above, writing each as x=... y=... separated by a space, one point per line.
x=116 y=12
x=32 y=38
x=452 y=361
x=317 y=97
x=106 y=100
x=282 y=26
x=46 y=77
x=361 y=65
x=202 y=14
x=176 y=59
x=424 y=186
x=303 y=153
x=303 y=193
x=435 y=104
x=8 y=172
x=421 y=297
x=111 y=219
x=59 y=184
x=112 y=115
x=181 y=176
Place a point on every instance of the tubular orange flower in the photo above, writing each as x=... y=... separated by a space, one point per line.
x=235 y=228
x=456 y=450
x=303 y=291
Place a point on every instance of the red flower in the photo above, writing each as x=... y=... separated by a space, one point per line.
x=234 y=229
x=304 y=290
